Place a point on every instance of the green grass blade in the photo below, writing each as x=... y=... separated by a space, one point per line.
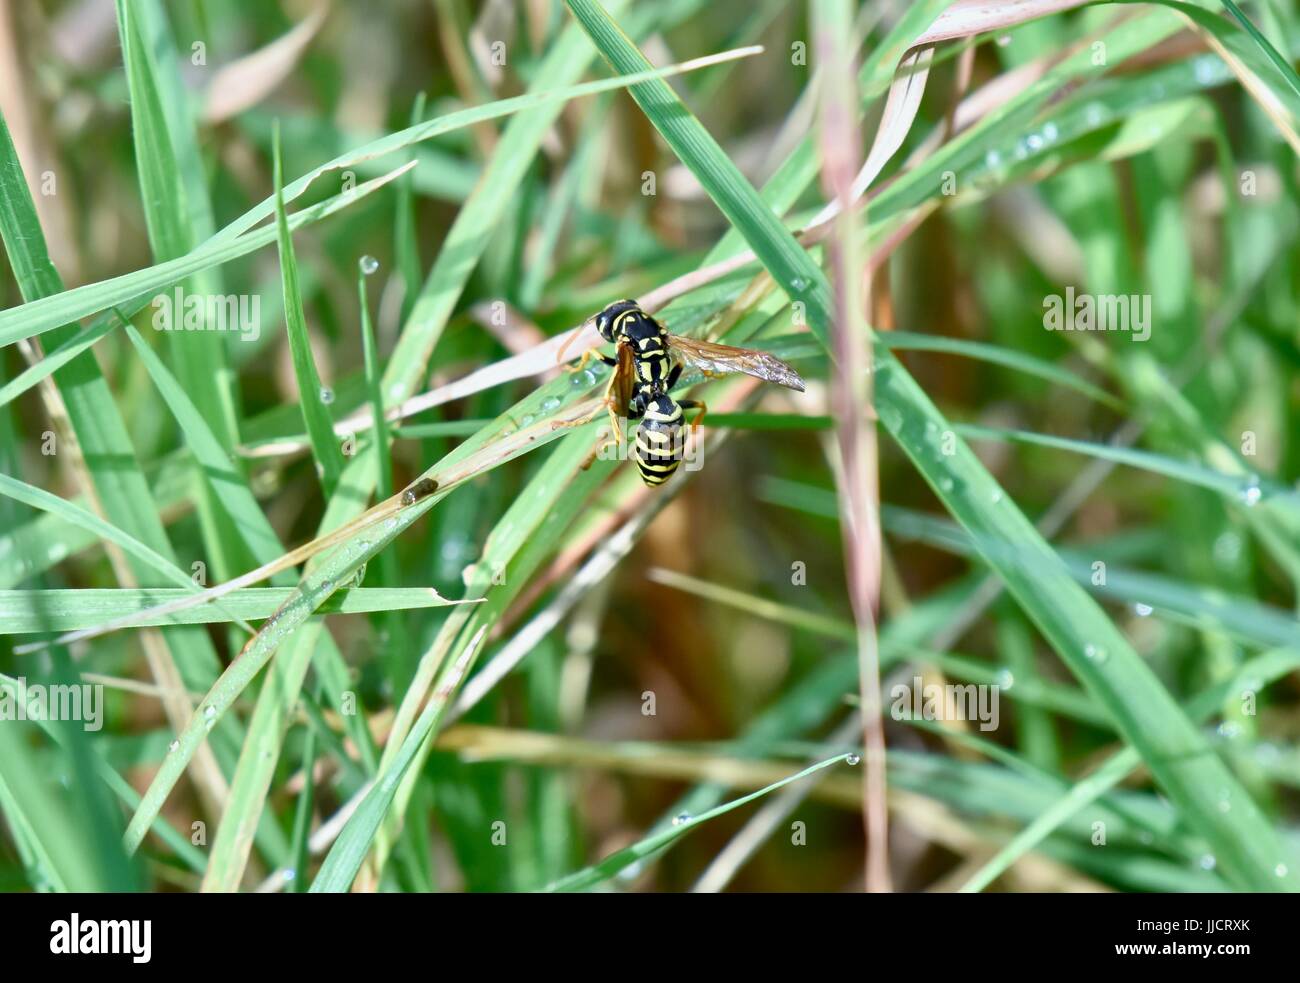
x=311 y=394
x=64 y=609
x=609 y=867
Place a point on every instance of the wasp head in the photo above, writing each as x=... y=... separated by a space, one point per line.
x=606 y=318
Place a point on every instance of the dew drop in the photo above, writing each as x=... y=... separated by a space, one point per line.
x=1250 y=492
x=996 y=495
x=1142 y=610
x=174 y=746
x=1095 y=114
x=1004 y=40
x=288 y=875
x=209 y=711
x=326 y=586
x=1227 y=548
x=550 y=403
x=1280 y=870
x=528 y=418
x=682 y=818
x=368 y=265
x=945 y=484
x=1006 y=679
x=1229 y=729
x=1034 y=142
x=1206 y=69
x=1050 y=132
x=326 y=395
x=631 y=872
x=1207 y=861
x=992 y=159
x=1097 y=655
x=852 y=759
x=798 y=284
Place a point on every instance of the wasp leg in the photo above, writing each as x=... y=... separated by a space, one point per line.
x=581 y=421
x=694 y=404
x=673 y=376
x=587 y=356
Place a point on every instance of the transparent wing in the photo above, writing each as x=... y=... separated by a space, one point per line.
x=723 y=359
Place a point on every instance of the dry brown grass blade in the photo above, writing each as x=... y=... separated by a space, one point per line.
x=851 y=400
x=248 y=80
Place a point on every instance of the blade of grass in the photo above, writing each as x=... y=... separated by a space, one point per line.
x=609 y=867
x=64 y=609
x=311 y=396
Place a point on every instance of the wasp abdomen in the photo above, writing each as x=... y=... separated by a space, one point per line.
x=658 y=448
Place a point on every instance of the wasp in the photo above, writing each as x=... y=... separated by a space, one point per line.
x=647 y=363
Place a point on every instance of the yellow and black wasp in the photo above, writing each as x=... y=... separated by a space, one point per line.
x=647 y=363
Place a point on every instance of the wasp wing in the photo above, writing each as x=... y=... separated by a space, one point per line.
x=723 y=359
x=618 y=394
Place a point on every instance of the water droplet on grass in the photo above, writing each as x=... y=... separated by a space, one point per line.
x=174 y=746
x=852 y=759
x=1096 y=113
x=1142 y=610
x=1097 y=655
x=550 y=403
x=682 y=818
x=1208 y=862
x=368 y=265
x=1250 y=493
x=326 y=395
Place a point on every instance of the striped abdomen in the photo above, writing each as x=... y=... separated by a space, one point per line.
x=658 y=448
